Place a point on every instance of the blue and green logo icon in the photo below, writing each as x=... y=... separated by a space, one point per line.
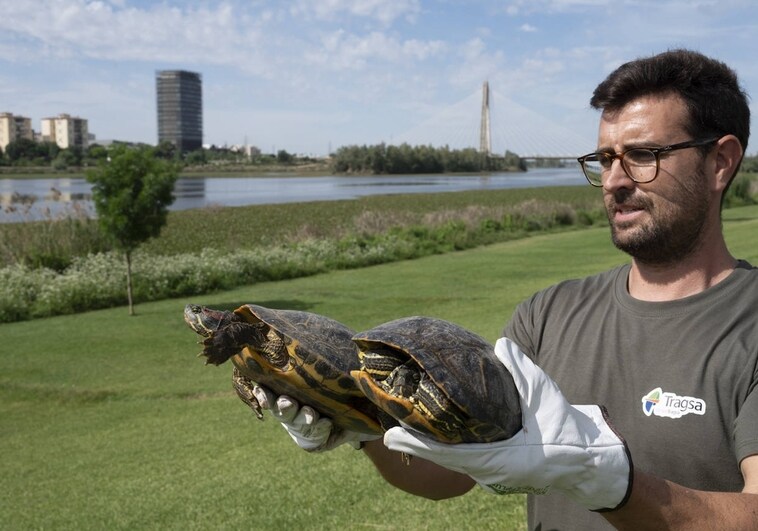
x=650 y=400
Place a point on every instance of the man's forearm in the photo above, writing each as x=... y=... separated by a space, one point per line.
x=417 y=476
x=656 y=503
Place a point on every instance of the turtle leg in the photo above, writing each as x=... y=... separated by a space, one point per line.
x=244 y=388
x=229 y=341
x=403 y=380
x=380 y=362
x=437 y=408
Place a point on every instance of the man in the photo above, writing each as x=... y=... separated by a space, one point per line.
x=668 y=344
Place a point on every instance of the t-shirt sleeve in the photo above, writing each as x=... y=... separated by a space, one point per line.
x=746 y=427
x=520 y=327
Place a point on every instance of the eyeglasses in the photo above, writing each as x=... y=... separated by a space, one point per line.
x=640 y=164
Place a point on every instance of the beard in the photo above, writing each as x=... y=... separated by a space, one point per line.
x=672 y=231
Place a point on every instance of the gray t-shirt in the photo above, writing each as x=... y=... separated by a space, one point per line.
x=677 y=377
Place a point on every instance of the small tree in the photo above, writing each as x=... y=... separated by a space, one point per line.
x=132 y=192
x=283 y=157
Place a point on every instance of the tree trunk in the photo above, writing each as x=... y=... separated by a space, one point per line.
x=129 y=281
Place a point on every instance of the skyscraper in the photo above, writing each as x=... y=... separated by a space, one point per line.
x=180 y=108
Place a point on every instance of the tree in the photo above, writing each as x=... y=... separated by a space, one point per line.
x=132 y=192
x=196 y=157
x=166 y=150
x=95 y=154
x=64 y=159
x=21 y=149
x=283 y=157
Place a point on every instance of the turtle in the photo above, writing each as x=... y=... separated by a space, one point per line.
x=438 y=378
x=304 y=355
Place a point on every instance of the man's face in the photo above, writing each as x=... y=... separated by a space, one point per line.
x=662 y=221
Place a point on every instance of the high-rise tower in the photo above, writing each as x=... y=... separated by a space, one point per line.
x=180 y=108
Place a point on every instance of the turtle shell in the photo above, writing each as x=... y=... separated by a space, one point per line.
x=321 y=357
x=473 y=397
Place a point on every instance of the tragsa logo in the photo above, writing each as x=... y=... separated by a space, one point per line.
x=671 y=405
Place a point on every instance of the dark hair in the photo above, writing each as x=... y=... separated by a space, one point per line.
x=716 y=103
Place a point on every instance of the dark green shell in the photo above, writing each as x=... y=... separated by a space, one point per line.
x=463 y=366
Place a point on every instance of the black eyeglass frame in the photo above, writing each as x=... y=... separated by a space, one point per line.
x=656 y=151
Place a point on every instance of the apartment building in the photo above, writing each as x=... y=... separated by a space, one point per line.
x=13 y=127
x=66 y=131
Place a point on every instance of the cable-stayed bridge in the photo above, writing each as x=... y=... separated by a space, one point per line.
x=492 y=123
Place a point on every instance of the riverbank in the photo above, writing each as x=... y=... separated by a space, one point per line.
x=205 y=170
x=312 y=169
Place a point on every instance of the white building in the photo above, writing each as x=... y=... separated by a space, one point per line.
x=14 y=127
x=66 y=131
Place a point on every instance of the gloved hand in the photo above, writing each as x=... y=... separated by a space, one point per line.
x=311 y=432
x=571 y=449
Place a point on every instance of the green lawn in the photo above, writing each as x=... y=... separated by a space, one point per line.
x=110 y=422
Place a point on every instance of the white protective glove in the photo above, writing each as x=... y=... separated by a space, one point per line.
x=311 y=432
x=571 y=449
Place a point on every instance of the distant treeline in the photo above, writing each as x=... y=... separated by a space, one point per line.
x=384 y=159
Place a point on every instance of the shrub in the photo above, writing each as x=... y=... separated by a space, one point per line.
x=742 y=191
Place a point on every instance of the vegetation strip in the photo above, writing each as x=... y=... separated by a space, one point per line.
x=51 y=271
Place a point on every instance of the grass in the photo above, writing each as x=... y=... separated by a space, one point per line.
x=262 y=225
x=109 y=421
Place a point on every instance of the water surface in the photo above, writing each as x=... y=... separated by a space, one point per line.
x=31 y=199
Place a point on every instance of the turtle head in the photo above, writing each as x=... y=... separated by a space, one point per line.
x=225 y=333
x=205 y=321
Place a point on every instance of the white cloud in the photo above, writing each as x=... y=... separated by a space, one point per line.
x=98 y=30
x=520 y=7
x=475 y=64
x=527 y=28
x=384 y=11
x=341 y=50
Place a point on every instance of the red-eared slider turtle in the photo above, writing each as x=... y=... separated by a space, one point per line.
x=300 y=354
x=440 y=379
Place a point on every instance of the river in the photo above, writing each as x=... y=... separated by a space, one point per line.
x=34 y=199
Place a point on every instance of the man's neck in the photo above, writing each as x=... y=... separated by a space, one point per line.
x=693 y=275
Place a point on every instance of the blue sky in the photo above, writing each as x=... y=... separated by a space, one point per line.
x=310 y=75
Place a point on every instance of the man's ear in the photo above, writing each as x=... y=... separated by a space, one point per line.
x=728 y=158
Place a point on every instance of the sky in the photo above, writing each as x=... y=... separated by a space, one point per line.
x=309 y=76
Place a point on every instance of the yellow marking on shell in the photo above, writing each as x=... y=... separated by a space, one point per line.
x=379 y=392
x=296 y=380
x=418 y=416
x=292 y=346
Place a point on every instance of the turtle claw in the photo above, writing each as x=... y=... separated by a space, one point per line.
x=208 y=358
x=244 y=388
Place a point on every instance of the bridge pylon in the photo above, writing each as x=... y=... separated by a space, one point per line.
x=485 y=134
